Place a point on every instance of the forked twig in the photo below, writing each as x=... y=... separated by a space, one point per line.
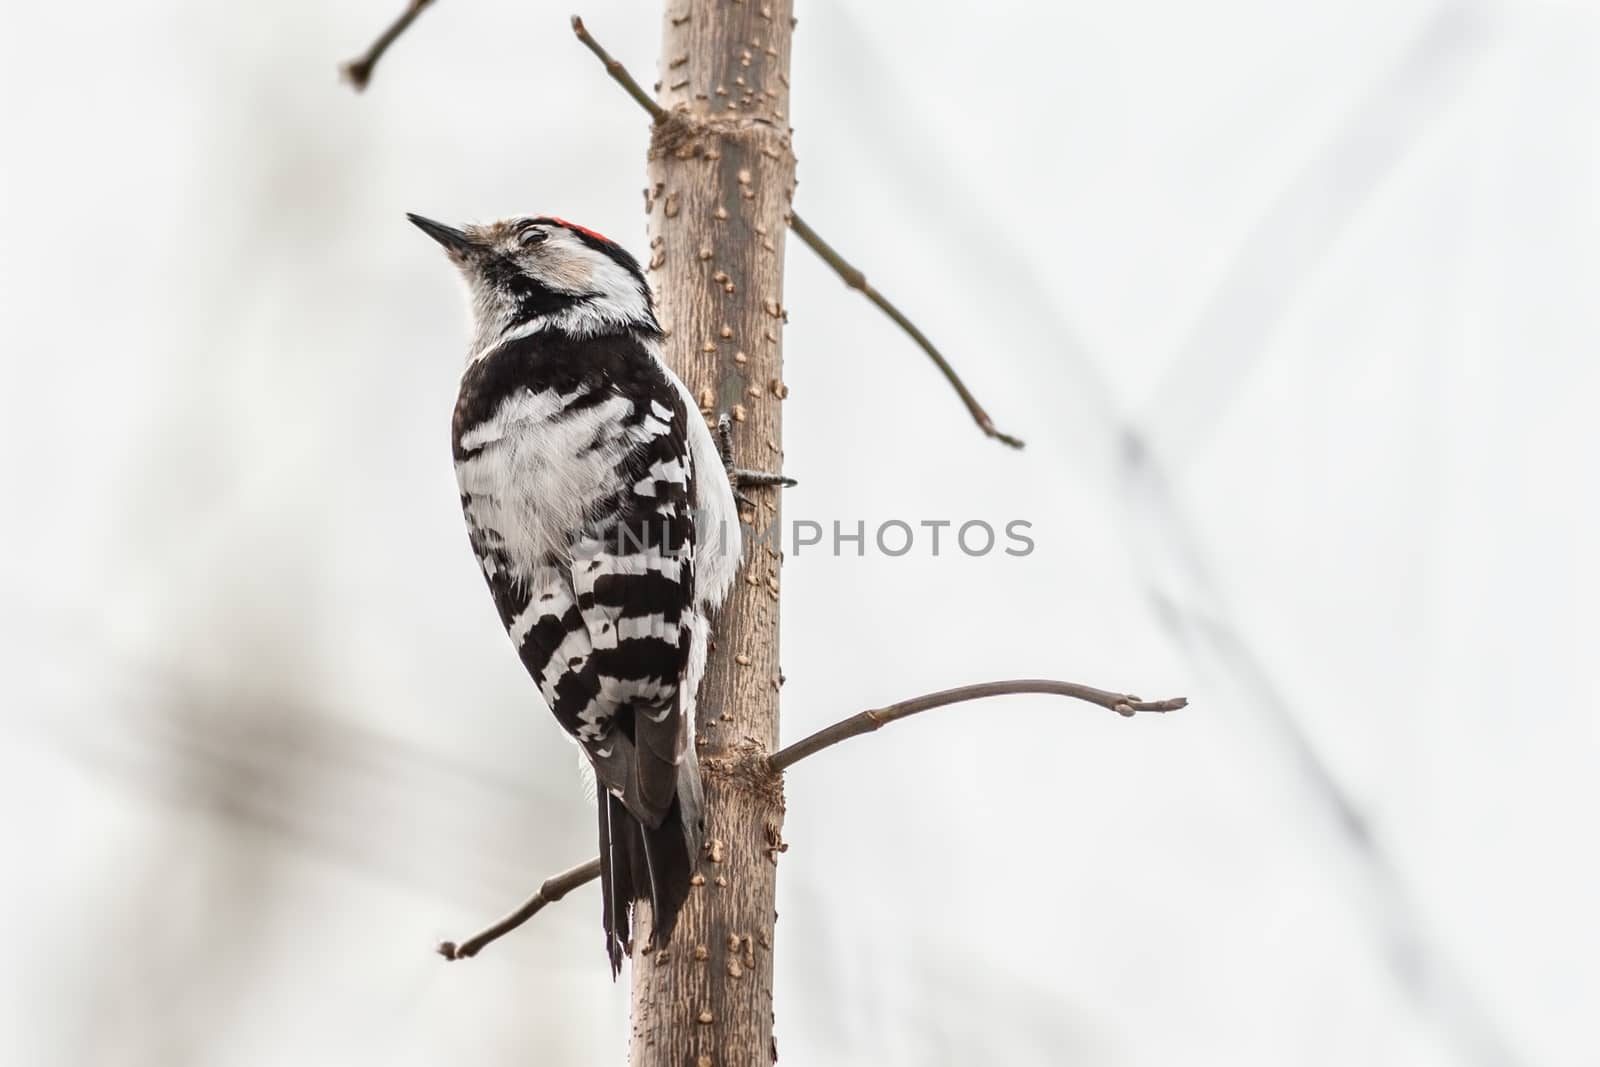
x=358 y=72
x=861 y=723
x=554 y=888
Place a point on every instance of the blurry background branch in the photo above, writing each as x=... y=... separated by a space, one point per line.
x=308 y=774
x=1234 y=330
x=358 y=72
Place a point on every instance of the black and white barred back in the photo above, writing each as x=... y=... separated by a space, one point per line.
x=599 y=510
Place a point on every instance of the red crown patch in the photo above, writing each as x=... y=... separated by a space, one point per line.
x=581 y=229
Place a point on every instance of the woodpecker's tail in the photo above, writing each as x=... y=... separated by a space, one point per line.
x=641 y=862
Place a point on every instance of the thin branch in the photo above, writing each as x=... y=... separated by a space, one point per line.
x=358 y=72
x=862 y=723
x=618 y=72
x=876 y=718
x=856 y=280
x=554 y=888
x=851 y=275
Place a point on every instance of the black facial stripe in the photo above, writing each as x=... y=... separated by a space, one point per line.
x=533 y=300
x=536 y=301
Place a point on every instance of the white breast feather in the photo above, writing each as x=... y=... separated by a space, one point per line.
x=536 y=476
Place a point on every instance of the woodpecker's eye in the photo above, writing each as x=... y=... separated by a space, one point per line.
x=531 y=236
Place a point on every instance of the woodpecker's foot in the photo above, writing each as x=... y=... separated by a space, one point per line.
x=739 y=476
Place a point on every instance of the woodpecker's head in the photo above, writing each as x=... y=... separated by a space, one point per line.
x=529 y=274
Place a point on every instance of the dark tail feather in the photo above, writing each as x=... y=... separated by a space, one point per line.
x=638 y=862
x=616 y=878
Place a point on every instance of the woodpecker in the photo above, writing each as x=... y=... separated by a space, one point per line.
x=602 y=514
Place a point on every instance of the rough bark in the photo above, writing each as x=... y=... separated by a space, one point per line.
x=721 y=174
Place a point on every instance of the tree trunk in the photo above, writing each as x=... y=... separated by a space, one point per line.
x=721 y=175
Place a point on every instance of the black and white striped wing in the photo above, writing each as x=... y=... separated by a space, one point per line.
x=634 y=580
x=578 y=492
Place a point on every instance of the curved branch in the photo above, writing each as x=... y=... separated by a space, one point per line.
x=865 y=722
x=850 y=275
x=554 y=888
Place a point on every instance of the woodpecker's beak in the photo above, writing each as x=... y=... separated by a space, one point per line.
x=453 y=239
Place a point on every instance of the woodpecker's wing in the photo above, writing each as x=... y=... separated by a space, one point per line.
x=633 y=574
x=577 y=484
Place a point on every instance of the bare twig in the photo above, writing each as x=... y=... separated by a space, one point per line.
x=358 y=72
x=618 y=72
x=554 y=888
x=875 y=718
x=851 y=275
x=858 y=281
x=861 y=723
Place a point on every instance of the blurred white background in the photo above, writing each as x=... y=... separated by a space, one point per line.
x=1294 y=304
